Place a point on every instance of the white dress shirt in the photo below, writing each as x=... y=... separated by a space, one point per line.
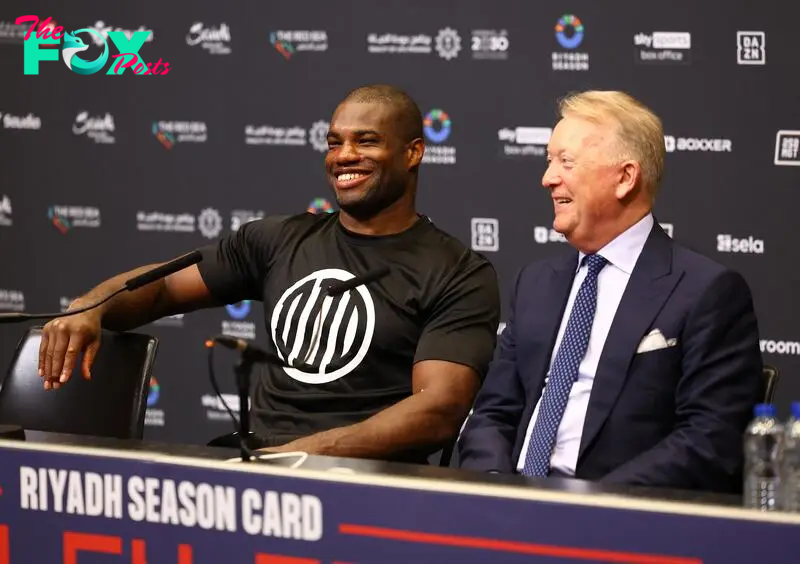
x=621 y=254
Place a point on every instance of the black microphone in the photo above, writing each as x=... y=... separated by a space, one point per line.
x=164 y=270
x=253 y=353
x=249 y=351
x=157 y=273
x=340 y=287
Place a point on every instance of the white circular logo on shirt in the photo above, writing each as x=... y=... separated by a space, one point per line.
x=331 y=334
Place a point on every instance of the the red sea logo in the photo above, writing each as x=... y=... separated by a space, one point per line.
x=284 y=47
x=61 y=223
x=164 y=137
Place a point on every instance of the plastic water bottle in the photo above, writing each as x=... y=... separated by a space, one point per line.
x=791 y=462
x=763 y=451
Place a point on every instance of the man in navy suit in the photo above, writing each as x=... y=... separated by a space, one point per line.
x=632 y=359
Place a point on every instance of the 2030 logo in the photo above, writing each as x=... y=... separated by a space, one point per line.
x=126 y=59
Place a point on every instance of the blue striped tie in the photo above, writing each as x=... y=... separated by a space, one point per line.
x=564 y=372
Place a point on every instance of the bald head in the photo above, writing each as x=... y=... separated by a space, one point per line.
x=406 y=115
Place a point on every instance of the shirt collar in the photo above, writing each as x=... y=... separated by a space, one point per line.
x=624 y=250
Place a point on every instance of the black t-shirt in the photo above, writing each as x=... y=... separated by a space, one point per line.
x=439 y=301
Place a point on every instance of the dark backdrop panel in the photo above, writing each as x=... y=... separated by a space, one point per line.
x=254 y=111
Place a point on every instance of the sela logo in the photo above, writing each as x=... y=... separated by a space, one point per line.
x=729 y=244
x=128 y=57
x=330 y=334
x=693 y=144
x=12 y=300
x=485 y=234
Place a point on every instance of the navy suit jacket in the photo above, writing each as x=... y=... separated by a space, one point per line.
x=672 y=417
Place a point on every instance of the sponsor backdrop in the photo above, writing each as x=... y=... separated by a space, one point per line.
x=104 y=172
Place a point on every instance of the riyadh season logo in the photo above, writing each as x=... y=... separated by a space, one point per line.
x=729 y=244
x=751 y=48
x=446 y=44
x=240 y=327
x=127 y=43
x=697 y=144
x=99 y=129
x=65 y=218
x=663 y=47
x=569 y=34
x=287 y=43
x=5 y=211
x=28 y=122
x=787 y=148
x=490 y=44
x=331 y=334
x=485 y=234
x=215 y=40
x=12 y=300
x=168 y=133
x=239 y=310
x=153 y=417
x=320 y=206
x=437 y=127
x=524 y=141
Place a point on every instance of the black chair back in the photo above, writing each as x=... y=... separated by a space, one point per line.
x=770 y=374
x=111 y=404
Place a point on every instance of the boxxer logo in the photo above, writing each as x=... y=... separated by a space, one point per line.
x=332 y=334
x=35 y=50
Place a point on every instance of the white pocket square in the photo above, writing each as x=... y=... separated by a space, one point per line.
x=654 y=341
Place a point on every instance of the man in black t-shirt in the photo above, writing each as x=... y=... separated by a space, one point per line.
x=388 y=369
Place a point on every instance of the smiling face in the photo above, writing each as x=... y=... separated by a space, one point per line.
x=589 y=185
x=369 y=164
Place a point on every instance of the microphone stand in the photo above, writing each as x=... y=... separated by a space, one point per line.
x=242 y=369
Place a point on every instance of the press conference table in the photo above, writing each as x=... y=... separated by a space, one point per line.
x=63 y=497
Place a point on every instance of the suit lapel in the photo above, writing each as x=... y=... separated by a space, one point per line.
x=544 y=318
x=650 y=284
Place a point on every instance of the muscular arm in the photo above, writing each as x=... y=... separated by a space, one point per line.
x=443 y=394
x=181 y=292
x=63 y=339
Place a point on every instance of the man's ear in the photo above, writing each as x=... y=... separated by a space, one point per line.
x=414 y=153
x=630 y=172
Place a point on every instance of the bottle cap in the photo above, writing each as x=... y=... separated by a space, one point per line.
x=764 y=410
x=796 y=409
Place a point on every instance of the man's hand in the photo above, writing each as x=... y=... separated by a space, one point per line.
x=63 y=339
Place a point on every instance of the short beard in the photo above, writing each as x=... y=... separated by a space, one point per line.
x=375 y=201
